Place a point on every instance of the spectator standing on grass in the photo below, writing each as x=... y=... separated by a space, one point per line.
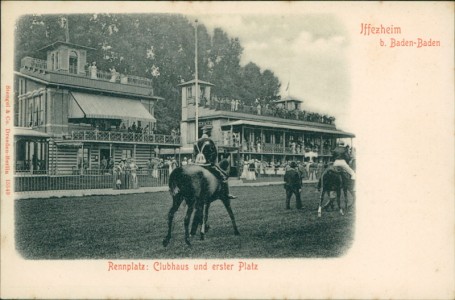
x=149 y=167
x=155 y=166
x=120 y=174
x=133 y=169
x=293 y=185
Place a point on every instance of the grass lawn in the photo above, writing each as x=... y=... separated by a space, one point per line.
x=133 y=227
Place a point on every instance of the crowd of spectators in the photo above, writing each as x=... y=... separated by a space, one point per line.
x=294 y=146
x=99 y=125
x=268 y=108
x=309 y=169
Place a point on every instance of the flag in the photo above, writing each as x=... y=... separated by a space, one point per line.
x=287 y=87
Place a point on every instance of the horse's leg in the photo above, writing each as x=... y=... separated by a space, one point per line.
x=227 y=204
x=321 y=199
x=352 y=191
x=196 y=221
x=176 y=201
x=204 y=220
x=186 y=223
x=345 y=195
x=206 y=217
x=339 y=201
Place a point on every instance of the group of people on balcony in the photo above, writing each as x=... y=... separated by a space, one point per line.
x=268 y=108
x=93 y=72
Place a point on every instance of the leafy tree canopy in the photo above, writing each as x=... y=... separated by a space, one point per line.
x=157 y=46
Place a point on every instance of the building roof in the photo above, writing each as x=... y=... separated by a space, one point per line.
x=60 y=43
x=29 y=132
x=288 y=98
x=66 y=80
x=284 y=126
x=191 y=82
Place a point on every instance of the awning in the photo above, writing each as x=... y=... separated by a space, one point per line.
x=107 y=107
x=28 y=132
x=292 y=127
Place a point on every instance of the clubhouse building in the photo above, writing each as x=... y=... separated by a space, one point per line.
x=72 y=118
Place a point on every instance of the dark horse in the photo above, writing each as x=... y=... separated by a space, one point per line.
x=333 y=181
x=199 y=186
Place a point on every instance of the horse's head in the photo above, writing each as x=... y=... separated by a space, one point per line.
x=224 y=165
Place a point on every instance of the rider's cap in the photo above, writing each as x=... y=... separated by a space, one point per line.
x=293 y=164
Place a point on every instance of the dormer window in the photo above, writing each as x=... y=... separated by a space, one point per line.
x=73 y=61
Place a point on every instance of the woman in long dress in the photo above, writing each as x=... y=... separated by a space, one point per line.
x=133 y=170
x=244 y=170
x=251 y=171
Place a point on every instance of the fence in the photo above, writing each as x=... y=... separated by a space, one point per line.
x=92 y=135
x=30 y=183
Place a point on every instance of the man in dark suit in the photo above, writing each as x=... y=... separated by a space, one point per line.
x=293 y=185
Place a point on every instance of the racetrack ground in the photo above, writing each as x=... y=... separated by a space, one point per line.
x=133 y=227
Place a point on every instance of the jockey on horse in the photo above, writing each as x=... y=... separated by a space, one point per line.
x=206 y=156
x=340 y=165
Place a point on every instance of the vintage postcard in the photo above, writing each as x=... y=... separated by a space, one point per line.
x=260 y=150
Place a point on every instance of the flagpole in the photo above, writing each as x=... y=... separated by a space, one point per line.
x=197 y=86
x=67 y=32
x=289 y=83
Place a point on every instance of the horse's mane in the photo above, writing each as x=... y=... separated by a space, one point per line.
x=224 y=164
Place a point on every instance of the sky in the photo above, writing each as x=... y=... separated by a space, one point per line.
x=306 y=51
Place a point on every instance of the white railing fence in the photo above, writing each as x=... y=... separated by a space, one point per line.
x=126 y=180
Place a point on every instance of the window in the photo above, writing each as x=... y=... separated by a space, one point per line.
x=41 y=111
x=202 y=92
x=56 y=65
x=126 y=153
x=36 y=111
x=73 y=62
x=83 y=158
x=189 y=92
x=30 y=112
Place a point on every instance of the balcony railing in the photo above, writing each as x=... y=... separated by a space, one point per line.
x=268 y=148
x=129 y=137
x=271 y=111
x=39 y=64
